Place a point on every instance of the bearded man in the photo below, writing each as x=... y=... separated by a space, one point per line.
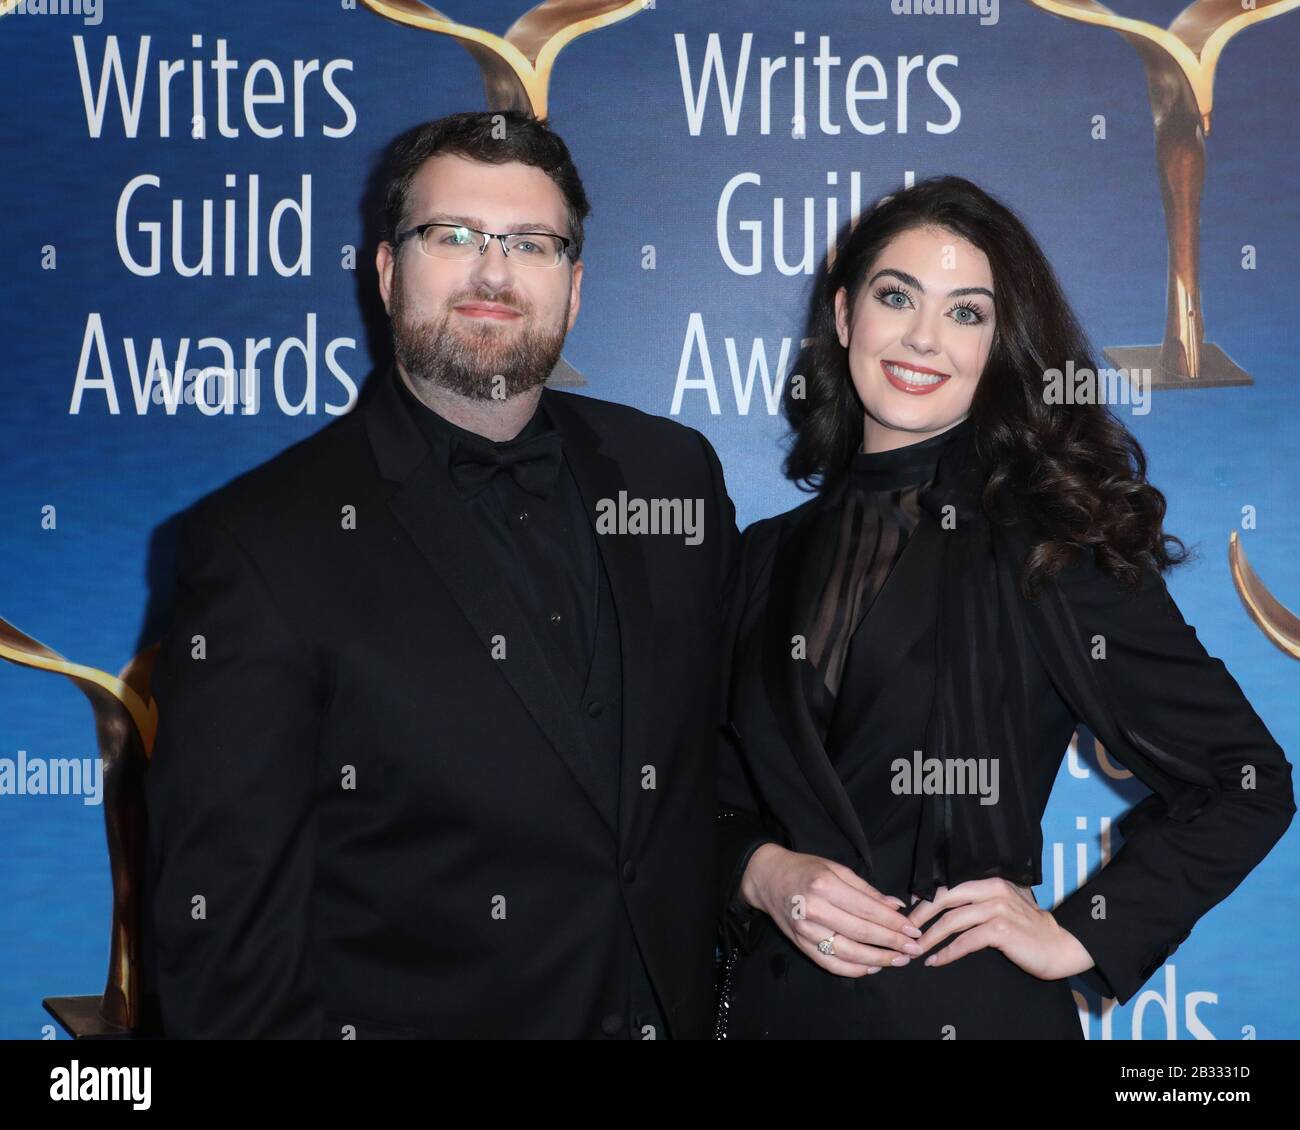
x=437 y=749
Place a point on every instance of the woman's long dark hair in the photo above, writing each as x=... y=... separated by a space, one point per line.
x=1073 y=470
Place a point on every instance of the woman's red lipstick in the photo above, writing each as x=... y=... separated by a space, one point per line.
x=910 y=385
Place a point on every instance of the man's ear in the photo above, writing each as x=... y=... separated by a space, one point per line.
x=575 y=295
x=385 y=265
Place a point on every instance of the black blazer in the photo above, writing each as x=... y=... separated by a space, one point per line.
x=362 y=655
x=777 y=783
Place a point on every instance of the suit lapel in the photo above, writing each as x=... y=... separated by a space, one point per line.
x=903 y=610
x=600 y=476
x=891 y=627
x=433 y=514
x=796 y=573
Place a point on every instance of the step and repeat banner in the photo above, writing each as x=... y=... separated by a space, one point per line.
x=189 y=208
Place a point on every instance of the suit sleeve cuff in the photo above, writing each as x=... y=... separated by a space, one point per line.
x=1119 y=967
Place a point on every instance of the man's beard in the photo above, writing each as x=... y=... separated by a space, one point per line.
x=474 y=361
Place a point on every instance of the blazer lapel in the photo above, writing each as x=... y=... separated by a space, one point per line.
x=427 y=505
x=792 y=591
x=903 y=610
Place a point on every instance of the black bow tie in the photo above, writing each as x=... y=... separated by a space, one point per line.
x=534 y=463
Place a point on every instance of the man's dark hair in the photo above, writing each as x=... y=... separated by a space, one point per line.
x=492 y=137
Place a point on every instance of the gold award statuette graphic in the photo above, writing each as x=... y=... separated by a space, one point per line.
x=1180 y=64
x=517 y=66
x=126 y=721
x=1275 y=620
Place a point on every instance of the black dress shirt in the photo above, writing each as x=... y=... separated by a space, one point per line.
x=545 y=546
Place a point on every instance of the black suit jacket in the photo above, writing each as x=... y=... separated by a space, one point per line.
x=1157 y=688
x=361 y=817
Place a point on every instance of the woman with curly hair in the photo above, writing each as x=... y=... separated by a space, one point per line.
x=978 y=571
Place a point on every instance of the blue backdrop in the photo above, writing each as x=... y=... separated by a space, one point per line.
x=1011 y=104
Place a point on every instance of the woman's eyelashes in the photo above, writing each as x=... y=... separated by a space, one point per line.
x=970 y=312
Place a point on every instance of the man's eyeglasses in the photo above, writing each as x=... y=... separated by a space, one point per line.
x=456 y=241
